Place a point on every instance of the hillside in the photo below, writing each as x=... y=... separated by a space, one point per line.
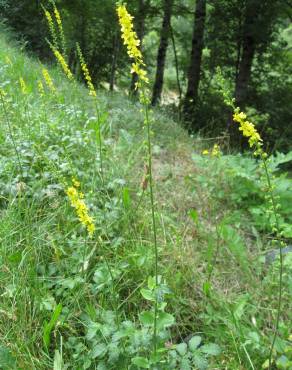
x=69 y=301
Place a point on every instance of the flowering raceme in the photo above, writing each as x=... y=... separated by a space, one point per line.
x=132 y=42
x=62 y=63
x=23 y=85
x=248 y=129
x=48 y=80
x=86 y=72
x=77 y=202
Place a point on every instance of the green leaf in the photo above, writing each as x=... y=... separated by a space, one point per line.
x=99 y=350
x=211 y=349
x=195 y=342
x=7 y=361
x=206 y=288
x=182 y=348
x=141 y=362
x=199 y=361
x=151 y=282
x=126 y=198
x=164 y=319
x=48 y=327
x=147 y=318
x=194 y=215
x=147 y=294
x=58 y=362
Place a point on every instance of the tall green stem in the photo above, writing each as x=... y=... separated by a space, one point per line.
x=274 y=208
x=99 y=140
x=149 y=147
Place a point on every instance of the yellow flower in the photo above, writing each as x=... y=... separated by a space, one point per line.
x=62 y=63
x=132 y=42
x=41 y=89
x=58 y=17
x=48 y=80
x=76 y=183
x=77 y=202
x=216 y=151
x=86 y=72
x=205 y=152
x=23 y=85
x=248 y=129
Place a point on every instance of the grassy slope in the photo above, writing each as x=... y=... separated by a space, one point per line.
x=43 y=247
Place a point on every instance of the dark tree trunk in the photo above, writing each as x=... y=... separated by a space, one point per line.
x=195 y=60
x=247 y=54
x=140 y=29
x=161 y=56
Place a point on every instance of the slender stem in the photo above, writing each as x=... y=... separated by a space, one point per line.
x=11 y=133
x=149 y=147
x=281 y=264
x=99 y=140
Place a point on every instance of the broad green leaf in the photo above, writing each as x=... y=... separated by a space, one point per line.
x=99 y=350
x=164 y=319
x=182 y=348
x=199 y=361
x=211 y=349
x=195 y=342
x=147 y=318
x=141 y=362
x=147 y=294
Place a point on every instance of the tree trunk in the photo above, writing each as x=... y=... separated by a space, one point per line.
x=140 y=29
x=195 y=60
x=247 y=55
x=161 y=56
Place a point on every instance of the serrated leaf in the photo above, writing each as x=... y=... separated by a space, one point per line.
x=147 y=294
x=199 y=361
x=99 y=350
x=164 y=319
x=141 y=362
x=182 y=348
x=195 y=342
x=147 y=318
x=211 y=349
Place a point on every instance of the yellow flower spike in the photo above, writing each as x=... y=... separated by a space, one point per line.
x=41 y=89
x=85 y=72
x=77 y=202
x=58 y=17
x=248 y=129
x=61 y=60
x=48 y=80
x=132 y=42
x=216 y=152
x=23 y=86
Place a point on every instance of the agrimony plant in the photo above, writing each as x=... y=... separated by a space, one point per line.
x=255 y=141
x=132 y=43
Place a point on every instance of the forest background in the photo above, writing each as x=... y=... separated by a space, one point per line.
x=183 y=43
